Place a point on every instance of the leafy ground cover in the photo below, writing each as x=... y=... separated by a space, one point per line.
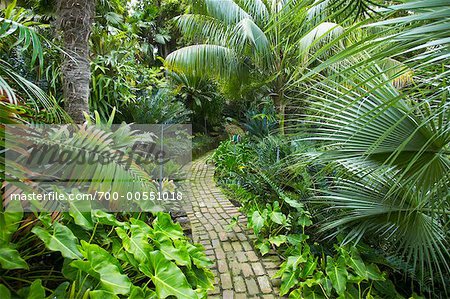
x=277 y=200
x=99 y=255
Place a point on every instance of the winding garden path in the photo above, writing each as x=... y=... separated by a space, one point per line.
x=240 y=272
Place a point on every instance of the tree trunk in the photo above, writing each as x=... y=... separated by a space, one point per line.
x=75 y=18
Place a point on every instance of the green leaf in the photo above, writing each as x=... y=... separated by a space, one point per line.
x=357 y=264
x=257 y=222
x=36 y=290
x=165 y=229
x=198 y=256
x=102 y=217
x=289 y=279
x=264 y=247
x=337 y=273
x=200 y=278
x=60 y=291
x=278 y=218
x=62 y=240
x=83 y=219
x=294 y=260
x=10 y=258
x=278 y=240
x=139 y=293
x=309 y=267
x=137 y=244
x=4 y=292
x=100 y=294
x=10 y=220
x=296 y=239
x=304 y=220
x=179 y=255
x=312 y=293
x=102 y=265
x=374 y=273
x=168 y=279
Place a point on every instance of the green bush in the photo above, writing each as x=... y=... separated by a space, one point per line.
x=99 y=255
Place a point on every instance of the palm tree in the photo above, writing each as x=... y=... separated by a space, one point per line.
x=256 y=40
x=18 y=34
x=390 y=146
x=75 y=19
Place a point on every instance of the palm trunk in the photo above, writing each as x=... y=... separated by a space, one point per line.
x=75 y=19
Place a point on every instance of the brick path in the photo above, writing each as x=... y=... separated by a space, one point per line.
x=239 y=271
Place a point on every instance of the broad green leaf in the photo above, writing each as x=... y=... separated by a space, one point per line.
x=337 y=273
x=278 y=218
x=10 y=258
x=60 y=291
x=295 y=260
x=62 y=240
x=304 y=220
x=143 y=292
x=83 y=219
x=100 y=294
x=200 y=278
x=264 y=247
x=357 y=264
x=296 y=239
x=198 y=256
x=165 y=229
x=374 y=273
x=257 y=222
x=278 y=240
x=179 y=255
x=312 y=293
x=106 y=218
x=288 y=280
x=169 y=280
x=10 y=220
x=102 y=265
x=137 y=244
x=309 y=267
x=4 y=292
x=36 y=290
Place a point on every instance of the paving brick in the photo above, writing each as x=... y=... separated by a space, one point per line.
x=252 y=286
x=241 y=296
x=239 y=284
x=252 y=256
x=241 y=256
x=227 y=246
x=246 y=270
x=246 y=245
x=264 y=284
x=236 y=246
x=228 y=294
x=225 y=281
x=222 y=266
x=258 y=269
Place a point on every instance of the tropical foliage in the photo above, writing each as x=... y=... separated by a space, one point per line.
x=338 y=118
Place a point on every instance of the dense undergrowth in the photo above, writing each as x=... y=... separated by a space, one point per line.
x=277 y=201
x=99 y=255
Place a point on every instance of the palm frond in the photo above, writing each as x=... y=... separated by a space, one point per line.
x=206 y=28
x=408 y=228
x=212 y=60
x=247 y=32
x=321 y=34
x=257 y=9
x=226 y=10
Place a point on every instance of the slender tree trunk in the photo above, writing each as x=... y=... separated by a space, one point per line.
x=75 y=18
